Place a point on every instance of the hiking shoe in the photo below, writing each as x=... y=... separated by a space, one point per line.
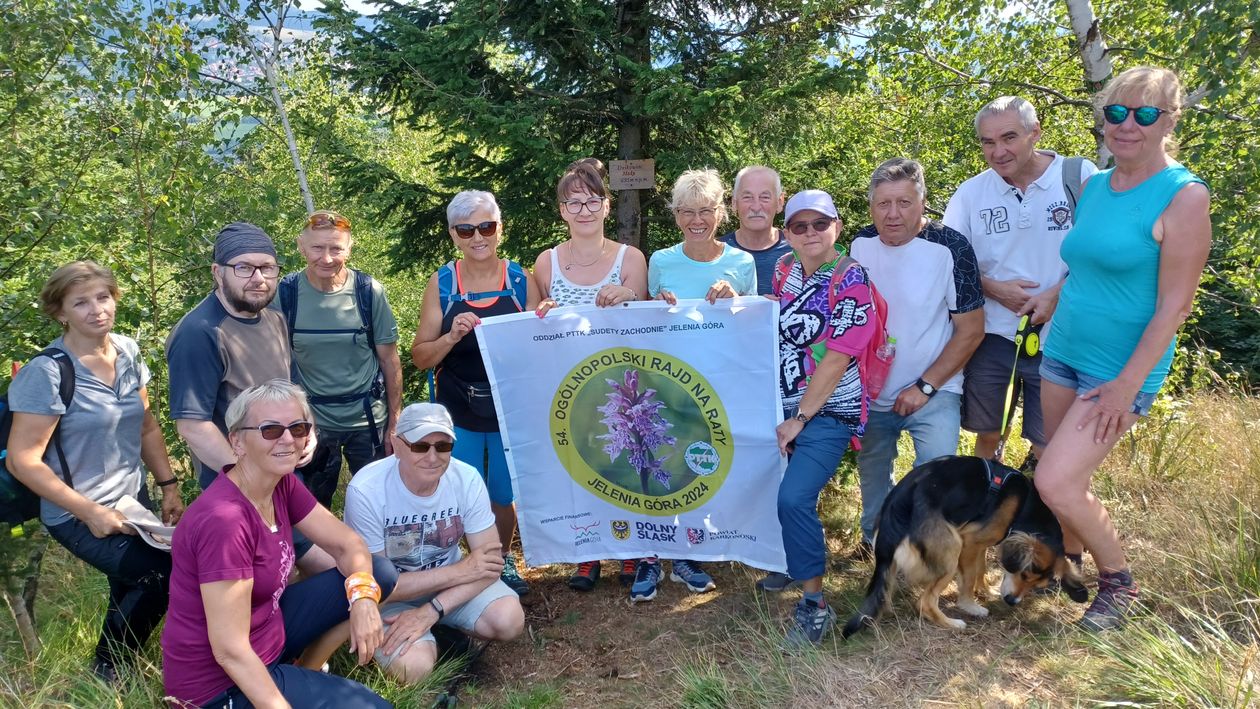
x=690 y=573
x=810 y=622
x=628 y=567
x=512 y=577
x=774 y=582
x=585 y=577
x=646 y=577
x=105 y=671
x=1116 y=595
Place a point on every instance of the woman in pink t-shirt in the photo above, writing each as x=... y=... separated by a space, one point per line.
x=234 y=624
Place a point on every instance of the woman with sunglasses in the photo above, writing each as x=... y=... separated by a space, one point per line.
x=587 y=269
x=106 y=437
x=1135 y=255
x=237 y=634
x=477 y=285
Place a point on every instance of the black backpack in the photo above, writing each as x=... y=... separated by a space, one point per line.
x=17 y=503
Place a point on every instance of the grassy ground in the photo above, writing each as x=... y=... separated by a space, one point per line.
x=1183 y=490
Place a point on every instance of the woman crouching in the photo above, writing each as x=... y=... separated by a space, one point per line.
x=234 y=625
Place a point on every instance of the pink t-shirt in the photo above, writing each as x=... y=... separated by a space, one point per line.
x=220 y=538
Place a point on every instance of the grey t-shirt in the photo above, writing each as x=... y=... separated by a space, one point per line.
x=100 y=433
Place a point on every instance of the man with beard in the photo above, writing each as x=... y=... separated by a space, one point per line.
x=228 y=343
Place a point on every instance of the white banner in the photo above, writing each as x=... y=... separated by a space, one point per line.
x=642 y=429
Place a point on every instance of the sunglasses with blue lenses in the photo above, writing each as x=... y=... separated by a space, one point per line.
x=1142 y=115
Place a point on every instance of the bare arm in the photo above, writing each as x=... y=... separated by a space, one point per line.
x=430 y=346
x=351 y=554
x=542 y=274
x=968 y=332
x=822 y=384
x=391 y=367
x=1012 y=294
x=28 y=439
x=153 y=453
x=227 y=603
x=206 y=442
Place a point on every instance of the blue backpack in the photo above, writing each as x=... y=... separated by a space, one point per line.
x=448 y=295
x=17 y=503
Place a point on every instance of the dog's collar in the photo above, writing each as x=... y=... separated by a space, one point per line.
x=997 y=478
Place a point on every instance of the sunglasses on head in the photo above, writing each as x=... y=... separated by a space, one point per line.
x=273 y=431
x=422 y=447
x=820 y=225
x=327 y=220
x=465 y=231
x=1142 y=115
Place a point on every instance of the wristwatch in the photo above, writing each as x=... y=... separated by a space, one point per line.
x=437 y=606
x=800 y=416
x=928 y=390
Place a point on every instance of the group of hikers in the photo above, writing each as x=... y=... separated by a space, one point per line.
x=262 y=386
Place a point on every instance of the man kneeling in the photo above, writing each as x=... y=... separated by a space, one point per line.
x=414 y=507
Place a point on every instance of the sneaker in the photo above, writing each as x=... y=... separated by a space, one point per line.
x=628 y=567
x=512 y=577
x=1116 y=595
x=647 y=575
x=774 y=582
x=690 y=573
x=810 y=622
x=585 y=577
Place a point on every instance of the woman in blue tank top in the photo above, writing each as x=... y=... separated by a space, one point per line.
x=1140 y=243
x=478 y=284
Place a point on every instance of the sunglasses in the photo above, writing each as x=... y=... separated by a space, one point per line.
x=422 y=447
x=327 y=220
x=820 y=225
x=465 y=231
x=273 y=431
x=1142 y=115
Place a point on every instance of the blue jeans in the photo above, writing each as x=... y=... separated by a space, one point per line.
x=934 y=430
x=813 y=462
x=324 y=470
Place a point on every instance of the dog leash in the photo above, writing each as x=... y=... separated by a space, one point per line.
x=1027 y=344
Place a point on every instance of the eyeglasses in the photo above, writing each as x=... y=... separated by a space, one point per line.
x=327 y=220
x=273 y=431
x=706 y=213
x=247 y=270
x=819 y=225
x=574 y=206
x=1142 y=115
x=422 y=447
x=465 y=231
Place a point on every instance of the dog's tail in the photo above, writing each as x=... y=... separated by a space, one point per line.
x=876 y=593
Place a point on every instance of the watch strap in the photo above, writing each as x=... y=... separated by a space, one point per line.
x=436 y=605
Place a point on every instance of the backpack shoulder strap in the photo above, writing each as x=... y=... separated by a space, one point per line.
x=65 y=389
x=1072 y=183
x=518 y=283
x=446 y=285
x=363 y=299
x=837 y=275
x=288 y=302
x=782 y=268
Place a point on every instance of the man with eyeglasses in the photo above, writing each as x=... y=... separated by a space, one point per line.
x=414 y=508
x=228 y=343
x=345 y=345
x=1015 y=214
x=756 y=198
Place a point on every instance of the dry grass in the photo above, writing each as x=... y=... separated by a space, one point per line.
x=1183 y=490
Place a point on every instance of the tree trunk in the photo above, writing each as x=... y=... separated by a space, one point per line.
x=269 y=70
x=22 y=602
x=1095 y=60
x=632 y=133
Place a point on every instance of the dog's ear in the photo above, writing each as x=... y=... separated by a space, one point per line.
x=1016 y=552
x=1070 y=580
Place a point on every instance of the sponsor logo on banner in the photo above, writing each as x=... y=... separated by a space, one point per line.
x=585 y=534
x=695 y=536
x=655 y=531
x=620 y=529
x=729 y=534
x=642 y=430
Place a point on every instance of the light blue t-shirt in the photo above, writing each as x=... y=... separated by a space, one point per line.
x=1113 y=278
x=685 y=277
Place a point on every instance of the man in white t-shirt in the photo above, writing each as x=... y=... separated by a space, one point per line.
x=1015 y=214
x=927 y=273
x=414 y=508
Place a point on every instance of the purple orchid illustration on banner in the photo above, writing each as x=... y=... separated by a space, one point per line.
x=635 y=424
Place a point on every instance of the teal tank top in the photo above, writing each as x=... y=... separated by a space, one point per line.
x=1113 y=276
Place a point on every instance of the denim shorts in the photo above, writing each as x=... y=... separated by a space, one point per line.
x=1056 y=372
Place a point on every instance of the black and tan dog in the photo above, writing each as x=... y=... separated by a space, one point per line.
x=936 y=525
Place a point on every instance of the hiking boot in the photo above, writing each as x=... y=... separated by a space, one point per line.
x=690 y=573
x=512 y=577
x=105 y=671
x=1116 y=595
x=585 y=577
x=774 y=582
x=810 y=622
x=628 y=567
x=646 y=577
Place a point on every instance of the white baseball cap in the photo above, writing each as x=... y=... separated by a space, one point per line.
x=816 y=200
x=419 y=420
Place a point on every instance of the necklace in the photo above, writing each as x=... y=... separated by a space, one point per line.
x=599 y=256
